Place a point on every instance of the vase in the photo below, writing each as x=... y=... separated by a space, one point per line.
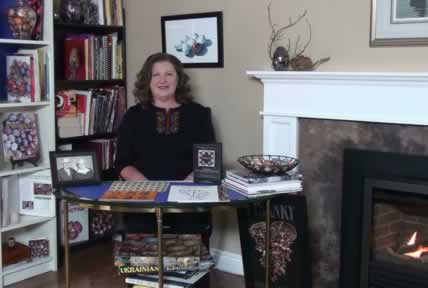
x=22 y=20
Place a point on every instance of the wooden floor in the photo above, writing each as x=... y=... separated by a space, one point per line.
x=92 y=267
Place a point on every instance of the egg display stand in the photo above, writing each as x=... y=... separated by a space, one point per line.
x=21 y=162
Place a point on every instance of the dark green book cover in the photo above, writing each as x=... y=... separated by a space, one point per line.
x=290 y=251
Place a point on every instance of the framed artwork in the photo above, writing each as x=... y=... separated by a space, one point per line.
x=195 y=39
x=207 y=163
x=74 y=168
x=399 y=23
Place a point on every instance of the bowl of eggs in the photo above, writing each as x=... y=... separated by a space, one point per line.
x=268 y=164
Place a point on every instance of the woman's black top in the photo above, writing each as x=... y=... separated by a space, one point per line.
x=159 y=142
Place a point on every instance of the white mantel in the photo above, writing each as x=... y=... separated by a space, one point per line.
x=399 y=98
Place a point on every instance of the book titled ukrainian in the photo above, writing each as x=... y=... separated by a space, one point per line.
x=290 y=257
x=138 y=252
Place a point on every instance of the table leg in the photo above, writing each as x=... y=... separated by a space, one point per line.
x=66 y=246
x=267 y=243
x=160 y=252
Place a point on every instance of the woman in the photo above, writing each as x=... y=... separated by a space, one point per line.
x=156 y=137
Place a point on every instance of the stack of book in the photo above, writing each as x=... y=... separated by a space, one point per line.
x=186 y=259
x=251 y=184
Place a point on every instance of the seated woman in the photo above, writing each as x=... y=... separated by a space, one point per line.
x=156 y=137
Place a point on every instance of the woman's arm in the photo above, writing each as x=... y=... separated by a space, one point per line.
x=131 y=173
x=125 y=157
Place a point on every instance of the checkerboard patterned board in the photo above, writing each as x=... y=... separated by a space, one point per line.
x=135 y=190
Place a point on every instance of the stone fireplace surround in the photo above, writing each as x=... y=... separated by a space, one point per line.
x=317 y=115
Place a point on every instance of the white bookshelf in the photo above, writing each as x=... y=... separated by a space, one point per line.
x=33 y=227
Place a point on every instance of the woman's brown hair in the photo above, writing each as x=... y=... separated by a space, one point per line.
x=142 y=91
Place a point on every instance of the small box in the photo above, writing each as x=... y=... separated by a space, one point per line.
x=19 y=252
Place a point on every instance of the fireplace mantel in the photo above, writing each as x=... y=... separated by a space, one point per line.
x=397 y=98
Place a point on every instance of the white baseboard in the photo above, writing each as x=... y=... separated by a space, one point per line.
x=228 y=262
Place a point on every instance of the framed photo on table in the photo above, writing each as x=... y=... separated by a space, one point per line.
x=399 y=23
x=73 y=168
x=195 y=39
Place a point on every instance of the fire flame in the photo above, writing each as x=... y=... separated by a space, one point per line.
x=421 y=249
x=412 y=240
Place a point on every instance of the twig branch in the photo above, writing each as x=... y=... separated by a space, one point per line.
x=279 y=34
x=307 y=43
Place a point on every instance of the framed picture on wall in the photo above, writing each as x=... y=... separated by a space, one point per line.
x=399 y=23
x=195 y=39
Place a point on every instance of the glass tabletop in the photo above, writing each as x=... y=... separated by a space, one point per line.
x=90 y=194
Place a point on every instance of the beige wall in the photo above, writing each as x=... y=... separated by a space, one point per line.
x=340 y=29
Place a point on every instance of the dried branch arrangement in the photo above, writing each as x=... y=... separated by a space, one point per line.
x=290 y=57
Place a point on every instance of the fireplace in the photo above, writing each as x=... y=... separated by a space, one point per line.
x=315 y=116
x=384 y=220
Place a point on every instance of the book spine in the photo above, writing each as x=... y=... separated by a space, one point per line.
x=150 y=283
x=261 y=179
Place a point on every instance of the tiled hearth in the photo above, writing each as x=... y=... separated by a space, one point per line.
x=317 y=115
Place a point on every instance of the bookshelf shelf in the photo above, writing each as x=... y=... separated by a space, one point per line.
x=9 y=105
x=26 y=221
x=87 y=84
x=19 y=267
x=85 y=27
x=80 y=139
x=42 y=87
x=25 y=169
x=24 y=42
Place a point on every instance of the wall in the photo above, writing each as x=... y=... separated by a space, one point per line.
x=340 y=29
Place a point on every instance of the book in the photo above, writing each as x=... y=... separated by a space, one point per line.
x=287 y=185
x=138 y=252
x=134 y=190
x=290 y=254
x=249 y=177
x=37 y=73
x=35 y=194
x=149 y=282
x=10 y=201
x=152 y=280
x=75 y=57
x=65 y=104
x=20 y=82
x=228 y=188
x=78 y=223
x=39 y=247
x=20 y=136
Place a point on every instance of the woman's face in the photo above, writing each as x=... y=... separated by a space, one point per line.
x=164 y=81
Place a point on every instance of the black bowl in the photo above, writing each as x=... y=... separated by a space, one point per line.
x=268 y=164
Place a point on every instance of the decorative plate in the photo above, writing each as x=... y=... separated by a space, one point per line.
x=268 y=164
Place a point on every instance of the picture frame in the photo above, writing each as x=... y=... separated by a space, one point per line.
x=195 y=39
x=73 y=168
x=399 y=23
x=207 y=163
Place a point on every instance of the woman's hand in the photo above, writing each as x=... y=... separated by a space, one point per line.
x=130 y=173
x=189 y=177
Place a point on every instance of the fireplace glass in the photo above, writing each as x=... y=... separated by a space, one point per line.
x=396 y=253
